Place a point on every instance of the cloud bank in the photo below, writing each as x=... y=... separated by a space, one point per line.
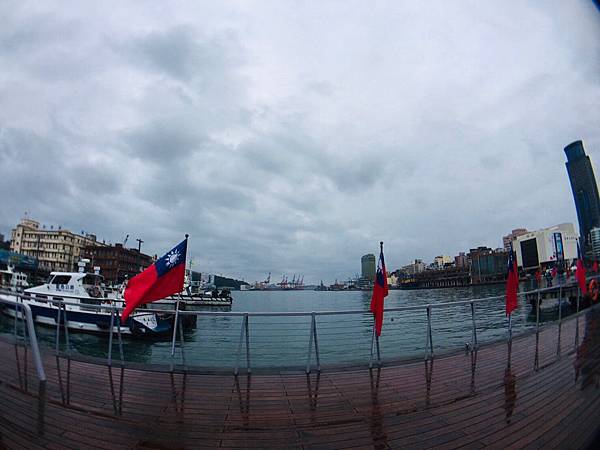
x=291 y=138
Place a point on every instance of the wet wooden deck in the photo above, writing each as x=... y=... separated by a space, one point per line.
x=497 y=397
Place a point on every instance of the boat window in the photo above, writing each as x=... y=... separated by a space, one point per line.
x=92 y=280
x=61 y=279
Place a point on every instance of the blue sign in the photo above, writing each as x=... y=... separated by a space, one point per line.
x=558 y=247
x=18 y=260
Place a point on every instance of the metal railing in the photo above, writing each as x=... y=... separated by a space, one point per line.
x=23 y=314
x=23 y=311
x=331 y=327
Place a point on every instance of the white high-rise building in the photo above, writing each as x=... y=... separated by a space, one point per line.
x=595 y=240
x=542 y=247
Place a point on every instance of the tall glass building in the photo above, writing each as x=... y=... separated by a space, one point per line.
x=367 y=263
x=585 y=192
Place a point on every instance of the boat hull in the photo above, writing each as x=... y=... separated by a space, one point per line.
x=140 y=324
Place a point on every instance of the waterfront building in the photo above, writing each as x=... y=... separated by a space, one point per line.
x=56 y=249
x=461 y=260
x=585 y=191
x=410 y=269
x=539 y=248
x=595 y=241
x=506 y=240
x=441 y=261
x=367 y=263
x=117 y=263
x=487 y=265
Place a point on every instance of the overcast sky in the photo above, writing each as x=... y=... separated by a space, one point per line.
x=291 y=137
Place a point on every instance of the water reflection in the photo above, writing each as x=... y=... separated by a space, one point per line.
x=376 y=425
x=244 y=399
x=345 y=339
x=473 y=369
x=116 y=402
x=178 y=396
x=428 y=375
x=313 y=394
x=510 y=387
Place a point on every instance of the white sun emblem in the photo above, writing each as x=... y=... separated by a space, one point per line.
x=172 y=258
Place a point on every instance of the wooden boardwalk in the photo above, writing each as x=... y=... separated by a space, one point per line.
x=496 y=397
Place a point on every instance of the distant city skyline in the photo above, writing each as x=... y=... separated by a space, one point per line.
x=292 y=137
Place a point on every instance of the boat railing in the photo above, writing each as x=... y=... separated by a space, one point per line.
x=332 y=327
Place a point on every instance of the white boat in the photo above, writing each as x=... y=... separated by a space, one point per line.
x=82 y=294
x=13 y=281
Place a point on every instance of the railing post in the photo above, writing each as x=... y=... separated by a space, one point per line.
x=66 y=327
x=37 y=359
x=474 y=338
x=58 y=314
x=577 y=320
x=239 y=350
x=182 y=339
x=372 y=345
x=310 y=342
x=244 y=328
x=174 y=330
x=110 y=336
x=559 y=320
x=248 y=369
x=316 y=343
x=429 y=337
x=537 y=314
x=120 y=338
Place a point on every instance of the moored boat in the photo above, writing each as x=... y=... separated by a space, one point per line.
x=86 y=306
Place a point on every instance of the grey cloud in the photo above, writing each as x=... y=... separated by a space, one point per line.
x=163 y=141
x=282 y=145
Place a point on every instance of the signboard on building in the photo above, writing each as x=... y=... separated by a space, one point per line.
x=17 y=260
x=559 y=253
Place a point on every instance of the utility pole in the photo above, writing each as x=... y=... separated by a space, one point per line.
x=140 y=242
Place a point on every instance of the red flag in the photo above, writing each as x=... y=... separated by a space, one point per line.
x=595 y=266
x=580 y=274
x=380 y=291
x=163 y=278
x=512 y=283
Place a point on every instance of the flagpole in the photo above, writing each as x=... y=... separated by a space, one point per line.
x=177 y=306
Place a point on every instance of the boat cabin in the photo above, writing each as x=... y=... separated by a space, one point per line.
x=16 y=281
x=72 y=284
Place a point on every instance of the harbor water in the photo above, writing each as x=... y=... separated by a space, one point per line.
x=343 y=339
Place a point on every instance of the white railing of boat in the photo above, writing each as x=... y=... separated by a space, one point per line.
x=313 y=340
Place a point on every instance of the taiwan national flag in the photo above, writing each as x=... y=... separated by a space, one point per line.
x=163 y=278
x=380 y=291
x=512 y=283
x=580 y=274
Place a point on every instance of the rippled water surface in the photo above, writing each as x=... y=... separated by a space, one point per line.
x=342 y=339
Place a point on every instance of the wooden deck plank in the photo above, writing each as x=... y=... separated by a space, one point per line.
x=450 y=404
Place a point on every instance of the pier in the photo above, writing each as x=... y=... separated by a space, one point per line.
x=540 y=390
